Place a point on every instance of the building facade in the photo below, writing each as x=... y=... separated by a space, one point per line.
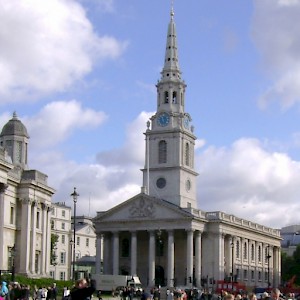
x=61 y=231
x=25 y=206
x=160 y=234
x=290 y=239
x=28 y=218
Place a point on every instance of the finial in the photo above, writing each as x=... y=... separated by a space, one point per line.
x=172 y=9
x=15 y=115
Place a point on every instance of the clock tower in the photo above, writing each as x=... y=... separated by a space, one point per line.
x=169 y=168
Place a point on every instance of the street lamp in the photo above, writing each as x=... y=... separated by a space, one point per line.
x=268 y=258
x=74 y=195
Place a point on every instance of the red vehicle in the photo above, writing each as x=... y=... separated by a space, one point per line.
x=232 y=287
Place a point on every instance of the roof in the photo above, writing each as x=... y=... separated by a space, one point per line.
x=14 y=127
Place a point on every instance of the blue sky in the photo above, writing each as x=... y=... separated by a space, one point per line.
x=81 y=76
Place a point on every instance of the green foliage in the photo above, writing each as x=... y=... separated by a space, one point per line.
x=53 y=256
x=290 y=266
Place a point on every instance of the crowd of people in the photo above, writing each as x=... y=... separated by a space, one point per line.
x=195 y=294
x=84 y=290
x=16 y=291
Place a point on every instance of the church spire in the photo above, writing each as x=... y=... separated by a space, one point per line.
x=171 y=68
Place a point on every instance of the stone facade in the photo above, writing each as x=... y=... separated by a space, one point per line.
x=160 y=234
x=25 y=206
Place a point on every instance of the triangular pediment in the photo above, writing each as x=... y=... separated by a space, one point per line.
x=143 y=207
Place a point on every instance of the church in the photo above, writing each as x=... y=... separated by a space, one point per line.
x=160 y=234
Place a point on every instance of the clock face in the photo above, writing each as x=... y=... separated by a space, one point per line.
x=163 y=119
x=186 y=122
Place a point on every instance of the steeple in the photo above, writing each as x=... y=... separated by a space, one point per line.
x=169 y=171
x=171 y=68
x=171 y=88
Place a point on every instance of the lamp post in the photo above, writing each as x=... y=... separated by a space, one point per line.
x=232 y=256
x=71 y=249
x=74 y=195
x=268 y=258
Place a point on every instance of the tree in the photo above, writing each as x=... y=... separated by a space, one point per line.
x=53 y=256
x=290 y=267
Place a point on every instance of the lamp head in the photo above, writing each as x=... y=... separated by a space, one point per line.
x=74 y=195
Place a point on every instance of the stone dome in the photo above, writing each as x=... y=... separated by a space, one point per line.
x=14 y=127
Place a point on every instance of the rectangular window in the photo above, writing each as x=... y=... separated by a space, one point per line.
x=62 y=275
x=266 y=276
x=38 y=219
x=78 y=241
x=87 y=242
x=63 y=213
x=252 y=275
x=52 y=274
x=36 y=263
x=12 y=215
x=237 y=273
x=10 y=257
x=63 y=239
x=62 y=258
x=63 y=225
x=245 y=275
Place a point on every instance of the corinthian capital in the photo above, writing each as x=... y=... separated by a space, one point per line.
x=3 y=187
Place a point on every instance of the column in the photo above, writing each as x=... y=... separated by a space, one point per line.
x=98 y=253
x=151 y=281
x=189 y=257
x=33 y=236
x=25 y=233
x=218 y=264
x=198 y=258
x=170 y=271
x=116 y=253
x=133 y=261
x=277 y=267
x=2 y=191
x=106 y=254
x=48 y=239
x=42 y=265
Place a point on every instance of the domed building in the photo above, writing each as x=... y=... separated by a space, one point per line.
x=25 y=206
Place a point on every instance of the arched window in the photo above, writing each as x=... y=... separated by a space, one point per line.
x=166 y=97
x=245 y=250
x=162 y=152
x=125 y=248
x=259 y=253
x=187 y=154
x=174 y=98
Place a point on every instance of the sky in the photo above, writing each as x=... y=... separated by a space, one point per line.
x=81 y=76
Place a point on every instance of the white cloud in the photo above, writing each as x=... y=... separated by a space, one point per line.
x=250 y=182
x=278 y=40
x=46 y=46
x=245 y=179
x=57 y=120
x=112 y=178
